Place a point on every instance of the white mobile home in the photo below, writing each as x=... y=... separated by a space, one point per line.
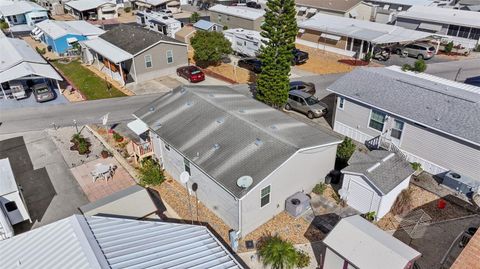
x=431 y=120
x=12 y=205
x=159 y=22
x=244 y=42
x=245 y=157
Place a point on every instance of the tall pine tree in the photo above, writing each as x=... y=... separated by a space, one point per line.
x=280 y=28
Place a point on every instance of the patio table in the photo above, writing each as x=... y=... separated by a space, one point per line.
x=101 y=169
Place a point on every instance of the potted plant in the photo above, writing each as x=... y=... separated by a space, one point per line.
x=105 y=154
x=117 y=137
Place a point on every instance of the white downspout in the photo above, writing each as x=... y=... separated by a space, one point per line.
x=239 y=233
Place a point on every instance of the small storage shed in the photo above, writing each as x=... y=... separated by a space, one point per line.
x=373 y=180
x=356 y=243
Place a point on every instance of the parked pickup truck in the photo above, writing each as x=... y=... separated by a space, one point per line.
x=299 y=57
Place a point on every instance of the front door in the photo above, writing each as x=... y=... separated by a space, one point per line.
x=359 y=197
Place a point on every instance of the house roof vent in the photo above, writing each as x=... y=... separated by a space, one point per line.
x=216 y=146
x=244 y=182
x=258 y=142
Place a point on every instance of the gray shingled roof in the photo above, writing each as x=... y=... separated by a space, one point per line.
x=447 y=106
x=391 y=171
x=134 y=38
x=229 y=135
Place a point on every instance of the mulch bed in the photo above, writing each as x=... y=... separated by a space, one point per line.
x=353 y=62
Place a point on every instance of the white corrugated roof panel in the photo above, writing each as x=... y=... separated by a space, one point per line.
x=99 y=242
x=355 y=239
x=239 y=11
x=29 y=69
x=442 y=15
x=376 y=33
x=57 y=29
x=430 y=26
x=138 y=126
x=108 y=50
x=20 y=7
x=84 y=5
x=7 y=180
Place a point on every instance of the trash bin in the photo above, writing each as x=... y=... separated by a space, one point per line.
x=328 y=179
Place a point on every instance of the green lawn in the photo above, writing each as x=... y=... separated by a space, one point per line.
x=92 y=86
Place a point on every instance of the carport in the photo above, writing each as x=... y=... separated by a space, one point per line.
x=356 y=37
x=23 y=63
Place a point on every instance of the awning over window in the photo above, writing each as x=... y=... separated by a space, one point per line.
x=332 y=37
x=302 y=9
x=312 y=10
x=430 y=27
x=71 y=40
x=301 y=31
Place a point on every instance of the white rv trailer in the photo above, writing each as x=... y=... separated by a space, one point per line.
x=12 y=205
x=160 y=22
x=245 y=42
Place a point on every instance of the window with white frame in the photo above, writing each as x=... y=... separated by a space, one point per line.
x=265 y=196
x=377 y=120
x=169 y=56
x=397 y=129
x=341 y=103
x=148 y=61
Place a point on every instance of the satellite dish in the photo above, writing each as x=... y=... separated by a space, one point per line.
x=244 y=181
x=184 y=177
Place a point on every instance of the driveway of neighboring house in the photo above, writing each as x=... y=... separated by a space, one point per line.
x=50 y=190
x=158 y=85
x=397 y=60
x=31 y=102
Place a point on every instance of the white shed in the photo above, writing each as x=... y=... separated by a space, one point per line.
x=373 y=180
x=13 y=209
x=356 y=243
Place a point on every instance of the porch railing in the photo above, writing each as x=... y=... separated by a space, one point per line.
x=144 y=148
x=381 y=141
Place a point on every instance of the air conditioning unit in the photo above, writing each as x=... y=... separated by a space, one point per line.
x=297 y=204
x=461 y=183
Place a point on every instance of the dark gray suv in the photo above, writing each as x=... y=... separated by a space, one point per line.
x=306 y=104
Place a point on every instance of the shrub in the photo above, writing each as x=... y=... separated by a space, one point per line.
x=151 y=173
x=277 y=253
x=303 y=259
x=370 y=216
x=420 y=66
x=346 y=149
x=80 y=144
x=127 y=9
x=416 y=166
x=404 y=203
x=225 y=27
x=117 y=137
x=82 y=147
x=319 y=188
x=367 y=57
x=209 y=47
x=449 y=47
x=3 y=24
x=41 y=51
x=406 y=67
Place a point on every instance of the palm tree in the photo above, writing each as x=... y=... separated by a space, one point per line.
x=277 y=253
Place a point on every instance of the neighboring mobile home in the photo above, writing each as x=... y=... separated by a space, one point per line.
x=61 y=36
x=158 y=5
x=353 y=37
x=237 y=17
x=159 y=22
x=245 y=157
x=431 y=120
x=356 y=243
x=373 y=180
x=384 y=11
x=460 y=26
x=92 y=9
x=356 y=9
x=21 y=16
x=130 y=53
x=107 y=242
x=244 y=42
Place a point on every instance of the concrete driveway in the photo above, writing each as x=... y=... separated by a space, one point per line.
x=31 y=102
x=50 y=190
x=158 y=85
x=397 y=60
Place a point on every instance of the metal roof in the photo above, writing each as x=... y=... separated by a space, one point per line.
x=57 y=29
x=107 y=50
x=407 y=2
x=22 y=60
x=384 y=169
x=333 y=5
x=204 y=25
x=20 y=7
x=227 y=134
x=7 y=180
x=442 y=15
x=356 y=239
x=84 y=5
x=100 y=242
x=443 y=105
x=376 y=33
x=239 y=11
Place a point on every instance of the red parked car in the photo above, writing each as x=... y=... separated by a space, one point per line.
x=191 y=73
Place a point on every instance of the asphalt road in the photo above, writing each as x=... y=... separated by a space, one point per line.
x=456 y=70
x=87 y=112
